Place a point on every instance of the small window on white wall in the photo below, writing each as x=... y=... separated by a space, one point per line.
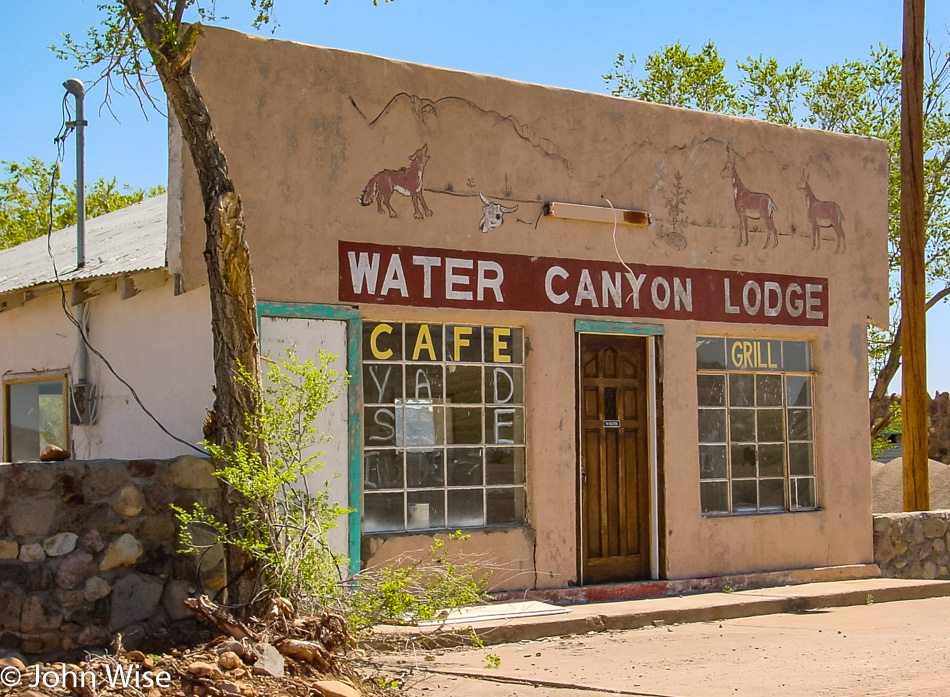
x=36 y=414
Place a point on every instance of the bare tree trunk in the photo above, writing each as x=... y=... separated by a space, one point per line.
x=233 y=302
x=880 y=404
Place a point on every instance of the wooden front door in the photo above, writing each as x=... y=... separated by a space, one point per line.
x=614 y=467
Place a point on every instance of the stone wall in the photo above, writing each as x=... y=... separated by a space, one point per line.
x=913 y=545
x=88 y=550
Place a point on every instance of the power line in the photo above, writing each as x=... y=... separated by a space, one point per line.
x=60 y=141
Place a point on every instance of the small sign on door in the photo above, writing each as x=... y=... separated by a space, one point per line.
x=611 y=423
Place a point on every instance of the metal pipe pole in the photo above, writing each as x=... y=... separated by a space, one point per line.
x=78 y=90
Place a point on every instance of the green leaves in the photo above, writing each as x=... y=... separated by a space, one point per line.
x=677 y=77
x=117 y=48
x=859 y=97
x=769 y=92
x=24 y=201
x=25 y=206
x=419 y=591
x=282 y=525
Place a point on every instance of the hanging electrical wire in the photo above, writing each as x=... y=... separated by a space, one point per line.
x=616 y=249
x=60 y=141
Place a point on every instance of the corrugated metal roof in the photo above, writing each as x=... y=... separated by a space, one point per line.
x=126 y=240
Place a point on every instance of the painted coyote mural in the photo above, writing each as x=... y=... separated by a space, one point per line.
x=406 y=181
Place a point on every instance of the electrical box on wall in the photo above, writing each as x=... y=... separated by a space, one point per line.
x=83 y=405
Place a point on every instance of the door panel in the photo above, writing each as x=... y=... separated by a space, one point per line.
x=307 y=337
x=615 y=495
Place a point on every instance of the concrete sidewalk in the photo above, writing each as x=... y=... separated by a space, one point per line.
x=701 y=607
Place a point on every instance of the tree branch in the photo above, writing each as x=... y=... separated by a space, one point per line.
x=938 y=297
x=879 y=403
x=179 y=12
x=218 y=617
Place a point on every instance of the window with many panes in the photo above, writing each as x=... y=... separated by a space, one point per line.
x=756 y=425
x=443 y=426
x=36 y=411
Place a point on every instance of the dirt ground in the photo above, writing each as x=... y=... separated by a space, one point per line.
x=886 y=649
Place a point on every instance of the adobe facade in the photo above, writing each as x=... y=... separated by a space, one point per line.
x=611 y=340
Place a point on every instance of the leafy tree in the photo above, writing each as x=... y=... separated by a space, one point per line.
x=136 y=40
x=279 y=524
x=282 y=523
x=860 y=97
x=677 y=77
x=25 y=200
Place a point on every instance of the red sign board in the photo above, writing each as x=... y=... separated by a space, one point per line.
x=427 y=277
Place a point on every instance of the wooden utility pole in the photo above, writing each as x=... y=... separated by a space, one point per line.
x=913 y=279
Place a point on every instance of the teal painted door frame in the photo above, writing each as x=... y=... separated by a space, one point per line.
x=354 y=336
x=591 y=326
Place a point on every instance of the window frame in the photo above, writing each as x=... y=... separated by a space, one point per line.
x=403 y=449
x=795 y=484
x=11 y=380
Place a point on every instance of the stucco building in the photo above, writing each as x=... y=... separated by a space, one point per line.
x=612 y=340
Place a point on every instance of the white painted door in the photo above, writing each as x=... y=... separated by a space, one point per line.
x=308 y=337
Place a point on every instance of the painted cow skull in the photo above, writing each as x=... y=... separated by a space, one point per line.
x=493 y=214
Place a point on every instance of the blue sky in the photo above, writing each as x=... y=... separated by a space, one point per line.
x=566 y=44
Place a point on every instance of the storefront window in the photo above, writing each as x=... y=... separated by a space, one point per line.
x=756 y=425
x=443 y=426
x=35 y=417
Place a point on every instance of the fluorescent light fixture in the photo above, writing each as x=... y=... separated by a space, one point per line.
x=597 y=214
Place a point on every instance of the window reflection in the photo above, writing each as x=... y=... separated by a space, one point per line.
x=36 y=417
x=443 y=426
x=755 y=425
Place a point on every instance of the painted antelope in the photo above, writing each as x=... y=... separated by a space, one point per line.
x=822 y=214
x=751 y=205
